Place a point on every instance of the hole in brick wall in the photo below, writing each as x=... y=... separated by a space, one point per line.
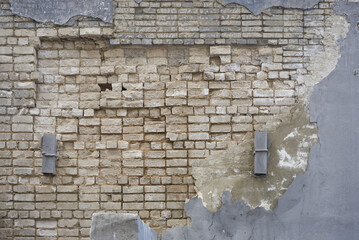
x=215 y=61
x=105 y=86
x=123 y=88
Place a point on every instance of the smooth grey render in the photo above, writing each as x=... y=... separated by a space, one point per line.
x=120 y=226
x=49 y=154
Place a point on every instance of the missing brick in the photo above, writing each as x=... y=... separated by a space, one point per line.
x=105 y=86
x=215 y=60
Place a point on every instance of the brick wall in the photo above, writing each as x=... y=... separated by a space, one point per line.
x=130 y=119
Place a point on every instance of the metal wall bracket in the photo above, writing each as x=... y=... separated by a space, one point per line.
x=49 y=154
x=261 y=154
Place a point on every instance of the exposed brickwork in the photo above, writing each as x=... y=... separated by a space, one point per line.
x=130 y=119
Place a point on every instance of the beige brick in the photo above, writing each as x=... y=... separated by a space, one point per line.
x=132 y=154
x=220 y=50
x=263 y=101
x=23 y=50
x=198 y=136
x=133 y=206
x=68 y=32
x=154 y=189
x=46 y=32
x=90 y=31
x=176 y=153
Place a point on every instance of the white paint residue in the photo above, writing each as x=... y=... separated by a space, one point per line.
x=292 y=134
x=310 y=126
x=265 y=204
x=200 y=195
x=313 y=136
x=286 y=161
x=272 y=188
x=283 y=181
x=284 y=157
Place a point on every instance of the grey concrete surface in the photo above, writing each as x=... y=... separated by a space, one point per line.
x=120 y=226
x=60 y=12
x=323 y=202
x=258 y=6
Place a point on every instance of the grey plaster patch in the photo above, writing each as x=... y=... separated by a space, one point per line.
x=323 y=202
x=60 y=12
x=233 y=221
x=120 y=226
x=232 y=169
x=258 y=6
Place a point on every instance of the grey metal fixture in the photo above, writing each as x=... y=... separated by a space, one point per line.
x=261 y=154
x=49 y=153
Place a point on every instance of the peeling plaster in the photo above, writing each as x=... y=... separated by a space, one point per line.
x=258 y=6
x=64 y=11
x=292 y=136
x=322 y=63
x=231 y=169
x=321 y=203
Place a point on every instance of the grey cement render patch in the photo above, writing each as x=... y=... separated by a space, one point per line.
x=60 y=12
x=233 y=221
x=258 y=6
x=117 y=226
x=323 y=202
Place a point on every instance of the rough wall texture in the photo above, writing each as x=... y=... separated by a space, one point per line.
x=142 y=128
x=321 y=204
